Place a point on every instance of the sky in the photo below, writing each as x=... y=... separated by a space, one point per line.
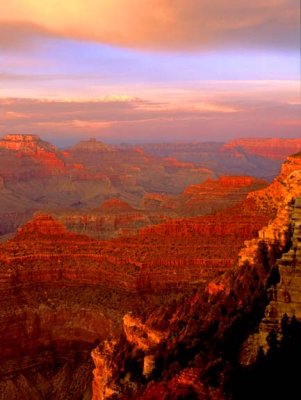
x=150 y=71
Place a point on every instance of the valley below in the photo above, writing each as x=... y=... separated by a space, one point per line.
x=142 y=273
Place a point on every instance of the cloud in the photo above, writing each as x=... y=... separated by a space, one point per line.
x=157 y=24
x=22 y=36
x=119 y=118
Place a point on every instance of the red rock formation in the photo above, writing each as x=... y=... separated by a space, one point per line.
x=284 y=187
x=256 y=157
x=26 y=143
x=214 y=195
x=36 y=176
x=115 y=206
x=228 y=298
x=40 y=151
x=272 y=148
x=62 y=293
x=59 y=283
x=204 y=198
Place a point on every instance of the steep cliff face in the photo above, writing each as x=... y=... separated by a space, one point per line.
x=283 y=188
x=202 y=335
x=285 y=296
x=278 y=197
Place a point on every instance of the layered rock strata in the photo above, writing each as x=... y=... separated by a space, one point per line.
x=36 y=176
x=278 y=246
x=286 y=295
x=62 y=293
x=223 y=310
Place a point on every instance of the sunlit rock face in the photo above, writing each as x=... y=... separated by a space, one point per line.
x=280 y=241
x=37 y=149
x=214 y=195
x=278 y=197
x=170 y=332
x=26 y=143
x=284 y=187
x=103 y=358
x=271 y=148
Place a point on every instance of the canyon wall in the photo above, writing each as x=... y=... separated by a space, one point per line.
x=177 y=347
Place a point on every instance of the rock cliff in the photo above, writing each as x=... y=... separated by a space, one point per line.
x=62 y=293
x=272 y=148
x=200 y=336
x=164 y=311
x=257 y=157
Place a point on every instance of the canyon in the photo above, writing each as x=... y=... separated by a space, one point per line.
x=63 y=292
x=139 y=292
x=256 y=157
x=198 y=337
x=36 y=176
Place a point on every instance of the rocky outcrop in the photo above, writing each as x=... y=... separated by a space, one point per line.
x=203 y=331
x=26 y=143
x=285 y=296
x=33 y=147
x=204 y=198
x=279 y=197
x=277 y=245
x=283 y=188
x=103 y=358
x=213 y=195
x=256 y=157
x=114 y=218
x=143 y=338
x=91 y=145
x=272 y=148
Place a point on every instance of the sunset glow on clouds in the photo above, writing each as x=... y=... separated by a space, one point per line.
x=150 y=71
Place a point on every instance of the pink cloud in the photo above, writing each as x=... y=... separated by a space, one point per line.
x=220 y=116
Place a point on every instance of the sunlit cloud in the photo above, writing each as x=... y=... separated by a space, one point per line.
x=262 y=109
x=153 y=70
x=157 y=24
